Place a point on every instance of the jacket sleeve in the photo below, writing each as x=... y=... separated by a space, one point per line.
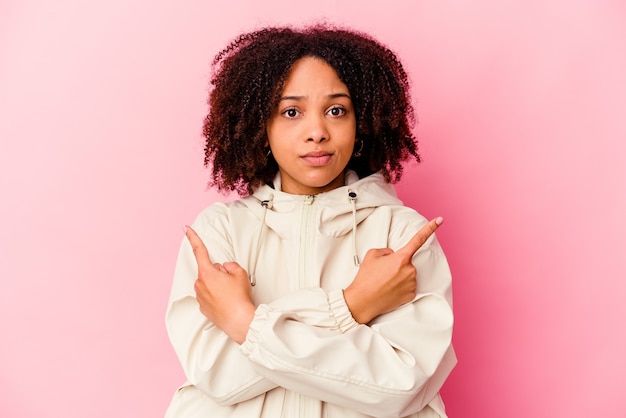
x=393 y=366
x=210 y=359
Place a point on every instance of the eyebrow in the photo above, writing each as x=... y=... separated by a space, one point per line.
x=330 y=96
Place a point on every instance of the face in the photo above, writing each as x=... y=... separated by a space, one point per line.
x=313 y=130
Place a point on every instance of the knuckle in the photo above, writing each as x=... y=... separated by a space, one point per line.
x=406 y=258
x=372 y=252
x=421 y=239
x=409 y=272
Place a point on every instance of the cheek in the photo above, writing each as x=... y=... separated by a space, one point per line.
x=272 y=137
x=273 y=129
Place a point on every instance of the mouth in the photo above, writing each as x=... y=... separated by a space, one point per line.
x=317 y=158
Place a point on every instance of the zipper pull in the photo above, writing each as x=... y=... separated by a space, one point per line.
x=308 y=199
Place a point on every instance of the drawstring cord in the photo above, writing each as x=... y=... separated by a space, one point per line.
x=352 y=199
x=267 y=204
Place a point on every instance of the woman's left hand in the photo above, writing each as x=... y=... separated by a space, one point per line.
x=223 y=291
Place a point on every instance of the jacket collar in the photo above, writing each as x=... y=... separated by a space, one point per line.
x=334 y=214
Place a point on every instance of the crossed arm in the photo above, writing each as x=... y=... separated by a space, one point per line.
x=385 y=280
x=208 y=323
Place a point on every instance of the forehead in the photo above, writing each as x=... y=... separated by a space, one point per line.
x=310 y=74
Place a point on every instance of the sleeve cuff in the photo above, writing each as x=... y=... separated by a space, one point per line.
x=341 y=312
x=331 y=312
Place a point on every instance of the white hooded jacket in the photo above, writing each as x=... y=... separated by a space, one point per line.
x=304 y=355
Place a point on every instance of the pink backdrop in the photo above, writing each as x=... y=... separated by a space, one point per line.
x=521 y=108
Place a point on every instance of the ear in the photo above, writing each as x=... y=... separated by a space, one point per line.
x=357 y=152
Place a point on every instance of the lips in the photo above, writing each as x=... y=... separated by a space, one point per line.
x=317 y=158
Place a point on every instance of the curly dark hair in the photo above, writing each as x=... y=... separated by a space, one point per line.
x=249 y=75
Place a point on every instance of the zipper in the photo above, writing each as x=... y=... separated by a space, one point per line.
x=306 y=236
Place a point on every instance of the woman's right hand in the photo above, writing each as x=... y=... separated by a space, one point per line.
x=386 y=279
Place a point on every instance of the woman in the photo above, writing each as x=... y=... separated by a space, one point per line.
x=317 y=294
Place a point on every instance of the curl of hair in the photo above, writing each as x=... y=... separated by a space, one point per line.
x=249 y=75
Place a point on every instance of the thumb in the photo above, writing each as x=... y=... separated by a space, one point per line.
x=378 y=252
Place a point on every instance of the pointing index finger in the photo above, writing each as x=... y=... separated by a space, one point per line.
x=421 y=236
x=199 y=249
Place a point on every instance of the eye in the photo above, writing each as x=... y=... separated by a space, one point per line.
x=290 y=113
x=336 y=111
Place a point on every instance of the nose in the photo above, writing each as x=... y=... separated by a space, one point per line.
x=316 y=129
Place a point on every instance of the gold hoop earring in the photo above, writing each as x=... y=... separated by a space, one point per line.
x=267 y=155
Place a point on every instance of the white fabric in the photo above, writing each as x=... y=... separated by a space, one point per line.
x=304 y=355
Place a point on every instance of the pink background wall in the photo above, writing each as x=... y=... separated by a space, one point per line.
x=521 y=108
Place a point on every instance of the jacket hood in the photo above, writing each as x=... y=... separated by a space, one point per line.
x=338 y=210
